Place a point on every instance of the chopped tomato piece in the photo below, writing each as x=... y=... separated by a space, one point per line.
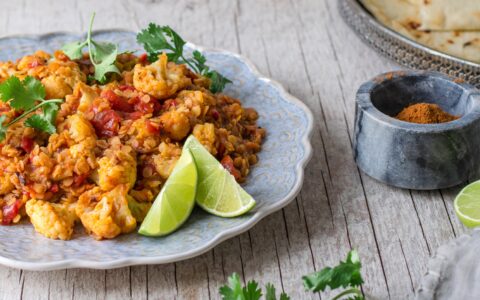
x=133 y=116
x=34 y=64
x=143 y=58
x=54 y=188
x=10 y=212
x=117 y=102
x=215 y=114
x=106 y=123
x=27 y=144
x=126 y=87
x=79 y=179
x=152 y=127
x=227 y=163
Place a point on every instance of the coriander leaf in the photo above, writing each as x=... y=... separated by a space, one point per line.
x=178 y=43
x=40 y=122
x=271 y=293
x=74 y=50
x=218 y=81
x=21 y=94
x=103 y=57
x=251 y=291
x=199 y=60
x=50 y=111
x=284 y=296
x=3 y=128
x=154 y=41
x=345 y=274
x=232 y=291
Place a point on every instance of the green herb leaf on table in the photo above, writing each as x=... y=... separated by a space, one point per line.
x=102 y=55
x=157 y=39
x=235 y=291
x=23 y=95
x=345 y=274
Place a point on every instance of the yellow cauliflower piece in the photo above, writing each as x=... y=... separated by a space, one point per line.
x=6 y=185
x=167 y=158
x=160 y=79
x=175 y=124
x=105 y=215
x=117 y=166
x=205 y=133
x=61 y=78
x=53 y=220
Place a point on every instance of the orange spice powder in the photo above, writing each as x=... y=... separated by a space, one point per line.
x=425 y=113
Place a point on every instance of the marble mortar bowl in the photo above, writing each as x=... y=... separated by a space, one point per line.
x=417 y=156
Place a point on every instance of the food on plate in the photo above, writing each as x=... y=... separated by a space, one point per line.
x=436 y=24
x=425 y=113
x=91 y=137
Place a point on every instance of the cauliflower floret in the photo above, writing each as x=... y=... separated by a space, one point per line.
x=117 y=166
x=105 y=215
x=53 y=220
x=29 y=62
x=167 y=158
x=61 y=78
x=160 y=79
x=6 y=185
x=205 y=133
x=176 y=124
x=79 y=128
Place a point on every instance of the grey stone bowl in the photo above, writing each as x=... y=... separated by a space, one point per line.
x=417 y=156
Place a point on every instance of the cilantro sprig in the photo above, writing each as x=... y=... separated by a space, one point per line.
x=235 y=291
x=346 y=275
x=102 y=55
x=28 y=95
x=157 y=39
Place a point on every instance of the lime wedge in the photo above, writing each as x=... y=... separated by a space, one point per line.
x=175 y=202
x=467 y=205
x=217 y=191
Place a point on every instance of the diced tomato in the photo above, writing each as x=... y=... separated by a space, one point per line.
x=227 y=163
x=10 y=212
x=152 y=127
x=117 y=102
x=34 y=64
x=133 y=116
x=215 y=114
x=143 y=58
x=27 y=144
x=126 y=87
x=54 y=188
x=106 y=123
x=79 y=179
x=147 y=107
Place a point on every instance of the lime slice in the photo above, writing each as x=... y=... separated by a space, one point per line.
x=467 y=205
x=175 y=202
x=217 y=192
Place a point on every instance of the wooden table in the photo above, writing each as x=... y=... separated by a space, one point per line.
x=306 y=46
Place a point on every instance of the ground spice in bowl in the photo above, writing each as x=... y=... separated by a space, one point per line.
x=425 y=113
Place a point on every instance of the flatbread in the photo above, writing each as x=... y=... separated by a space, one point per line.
x=403 y=16
x=449 y=14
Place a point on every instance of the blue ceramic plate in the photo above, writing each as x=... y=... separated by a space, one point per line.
x=273 y=182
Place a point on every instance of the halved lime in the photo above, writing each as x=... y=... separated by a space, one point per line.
x=467 y=205
x=175 y=202
x=217 y=191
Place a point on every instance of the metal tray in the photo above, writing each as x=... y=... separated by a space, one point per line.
x=402 y=49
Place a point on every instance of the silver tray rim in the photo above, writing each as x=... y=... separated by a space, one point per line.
x=372 y=24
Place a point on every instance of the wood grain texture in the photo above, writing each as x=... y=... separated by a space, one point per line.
x=305 y=45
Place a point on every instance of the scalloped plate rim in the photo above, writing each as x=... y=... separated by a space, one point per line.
x=220 y=237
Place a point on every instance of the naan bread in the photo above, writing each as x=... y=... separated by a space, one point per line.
x=404 y=17
x=450 y=14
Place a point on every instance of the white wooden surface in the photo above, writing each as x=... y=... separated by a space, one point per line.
x=305 y=45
